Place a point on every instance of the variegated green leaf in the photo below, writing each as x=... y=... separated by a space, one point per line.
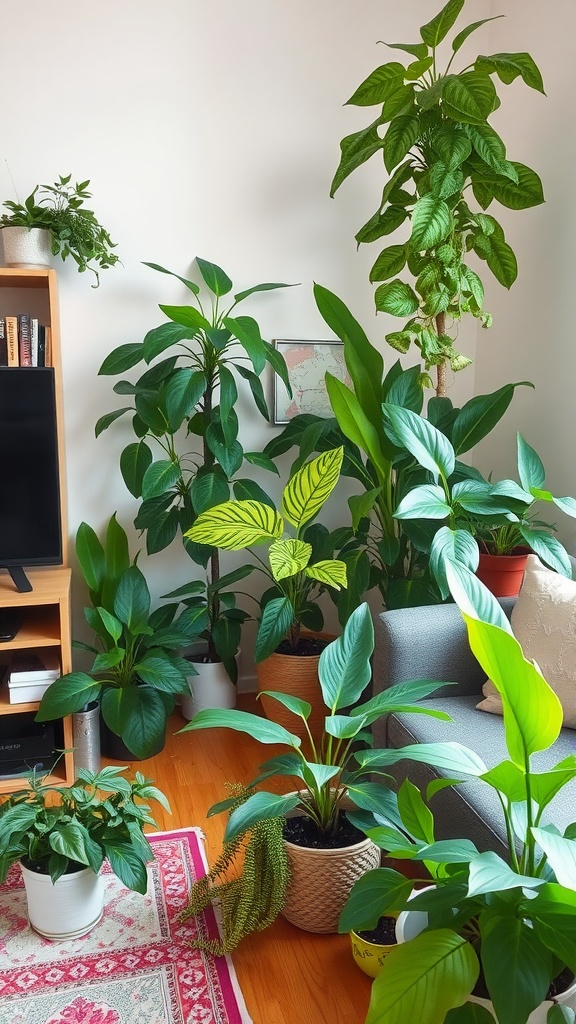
x=236 y=524
x=287 y=557
x=305 y=494
x=330 y=571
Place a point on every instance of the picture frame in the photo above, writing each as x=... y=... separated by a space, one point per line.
x=307 y=363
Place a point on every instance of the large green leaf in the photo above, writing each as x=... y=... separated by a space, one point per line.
x=427 y=501
x=90 y=553
x=288 y=557
x=188 y=316
x=530 y=468
x=423 y=979
x=183 y=393
x=389 y=263
x=532 y=711
x=122 y=358
x=402 y=133
x=356 y=149
x=431 y=222
x=138 y=715
x=397 y=298
x=208 y=489
x=331 y=572
x=452 y=758
x=72 y=839
x=236 y=524
x=157 y=670
x=247 y=331
x=452 y=545
x=378 y=86
x=134 y=462
x=217 y=281
x=132 y=600
x=160 y=477
x=415 y=813
x=436 y=30
x=462 y=36
x=479 y=416
x=344 y=667
x=371 y=896
x=469 y=97
x=259 y=728
x=561 y=855
x=489 y=873
x=517 y=968
x=277 y=618
x=509 y=65
x=502 y=262
x=259 y=807
x=527 y=193
x=472 y=596
x=67 y=695
x=425 y=442
x=310 y=487
x=358 y=427
x=126 y=862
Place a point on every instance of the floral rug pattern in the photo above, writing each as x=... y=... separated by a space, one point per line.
x=135 y=967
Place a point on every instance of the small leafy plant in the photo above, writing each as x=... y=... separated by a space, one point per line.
x=433 y=131
x=137 y=670
x=100 y=817
x=335 y=769
x=75 y=229
x=513 y=918
x=297 y=577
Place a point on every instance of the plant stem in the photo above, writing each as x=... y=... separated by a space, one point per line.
x=441 y=368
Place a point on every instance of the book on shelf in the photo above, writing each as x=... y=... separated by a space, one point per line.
x=41 y=665
x=24 y=339
x=12 y=340
x=34 y=340
x=3 y=343
x=42 y=346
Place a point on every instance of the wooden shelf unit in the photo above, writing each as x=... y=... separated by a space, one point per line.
x=45 y=610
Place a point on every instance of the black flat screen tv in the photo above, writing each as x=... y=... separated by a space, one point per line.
x=30 y=509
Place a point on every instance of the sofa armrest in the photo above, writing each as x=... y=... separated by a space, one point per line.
x=428 y=642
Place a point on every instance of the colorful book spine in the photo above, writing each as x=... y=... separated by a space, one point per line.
x=34 y=340
x=3 y=343
x=24 y=340
x=12 y=340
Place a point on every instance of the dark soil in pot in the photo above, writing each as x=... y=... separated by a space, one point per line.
x=307 y=646
x=384 y=934
x=41 y=867
x=559 y=984
x=302 y=831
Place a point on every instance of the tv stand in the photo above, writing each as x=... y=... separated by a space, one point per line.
x=19 y=578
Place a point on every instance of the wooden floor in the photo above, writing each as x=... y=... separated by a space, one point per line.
x=287 y=976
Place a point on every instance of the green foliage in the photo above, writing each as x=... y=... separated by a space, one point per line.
x=515 y=918
x=297 y=576
x=252 y=899
x=187 y=457
x=75 y=230
x=500 y=516
x=101 y=816
x=439 y=149
x=337 y=766
x=137 y=671
x=380 y=550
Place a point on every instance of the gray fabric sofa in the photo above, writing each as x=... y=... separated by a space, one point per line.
x=431 y=643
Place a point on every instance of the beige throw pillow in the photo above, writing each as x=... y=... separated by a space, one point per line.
x=544 y=623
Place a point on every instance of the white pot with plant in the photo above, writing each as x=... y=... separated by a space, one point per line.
x=62 y=835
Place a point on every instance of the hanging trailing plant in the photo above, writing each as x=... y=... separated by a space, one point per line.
x=439 y=148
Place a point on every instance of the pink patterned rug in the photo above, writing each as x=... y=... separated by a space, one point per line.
x=134 y=967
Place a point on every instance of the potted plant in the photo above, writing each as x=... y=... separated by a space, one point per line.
x=286 y=658
x=62 y=835
x=512 y=921
x=137 y=671
x=480 y=515
x=187 y=456
x=53 y=220
x=433 y=131
x=381 y=550
x=326 y=852
x=370 y=946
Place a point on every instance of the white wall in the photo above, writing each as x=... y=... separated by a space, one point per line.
x=213 y=129
x=533 y=333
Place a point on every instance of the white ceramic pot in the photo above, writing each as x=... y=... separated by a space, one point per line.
x=411 y=922
x=211 y=688
x=27 y=247
x=65 y=909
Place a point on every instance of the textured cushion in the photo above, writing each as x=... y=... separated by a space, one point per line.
x=544 y=623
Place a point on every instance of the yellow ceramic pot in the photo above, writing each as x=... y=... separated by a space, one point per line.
x=370 y=955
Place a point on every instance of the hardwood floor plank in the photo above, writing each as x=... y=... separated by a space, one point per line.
x=287 y=976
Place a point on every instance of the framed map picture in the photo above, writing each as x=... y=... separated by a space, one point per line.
x=307 y=363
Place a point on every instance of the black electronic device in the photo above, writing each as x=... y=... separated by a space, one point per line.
x=10 y=622
x=23 y=739
x=30 y=511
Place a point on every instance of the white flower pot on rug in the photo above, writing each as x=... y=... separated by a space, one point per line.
x=27 y=247
x=211 y=688
x=65 y=909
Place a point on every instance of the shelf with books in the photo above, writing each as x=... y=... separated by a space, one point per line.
x=43 y=621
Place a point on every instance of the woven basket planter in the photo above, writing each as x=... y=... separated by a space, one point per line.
x=321 y=880
x=296 y=675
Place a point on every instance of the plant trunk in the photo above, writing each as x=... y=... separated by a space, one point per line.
x=441 y=368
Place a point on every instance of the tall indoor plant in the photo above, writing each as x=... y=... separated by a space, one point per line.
x=514 y=920
x=187 y=456
x=433 y=131
x=137 y=671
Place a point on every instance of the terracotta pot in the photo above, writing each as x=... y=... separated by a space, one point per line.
x=502 y=574
x=296 y=675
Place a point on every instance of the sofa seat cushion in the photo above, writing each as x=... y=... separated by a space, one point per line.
x=485 y=734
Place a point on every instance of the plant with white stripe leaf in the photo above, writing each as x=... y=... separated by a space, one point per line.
x=480 y=515
x=297 y=577
x=433 y=131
